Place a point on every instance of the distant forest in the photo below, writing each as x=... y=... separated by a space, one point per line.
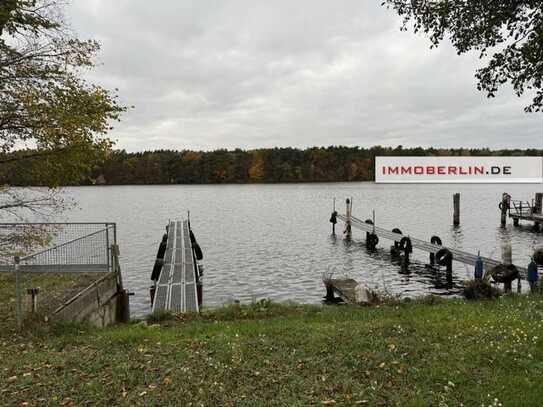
x=317 y=164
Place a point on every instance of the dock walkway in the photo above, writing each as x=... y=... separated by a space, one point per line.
x=458 y=255
x=524 y=210
x=176 y=286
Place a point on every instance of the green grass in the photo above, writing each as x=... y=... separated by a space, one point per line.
x=418 y=353
x=55 y=289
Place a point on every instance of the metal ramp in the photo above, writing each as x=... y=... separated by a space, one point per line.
x=176 y=286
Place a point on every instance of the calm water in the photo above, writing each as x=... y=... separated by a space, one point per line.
x=275 y=241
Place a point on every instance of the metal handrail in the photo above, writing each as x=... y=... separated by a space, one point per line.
x=519 y=208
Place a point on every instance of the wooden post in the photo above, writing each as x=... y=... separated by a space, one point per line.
x=348 y=233
x=504 y=206
x=507 y=259
x=538 y=203
x=333 y=224
x=456 y=205
x=538 y=207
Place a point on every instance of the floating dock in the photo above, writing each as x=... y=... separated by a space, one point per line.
x=176 y=287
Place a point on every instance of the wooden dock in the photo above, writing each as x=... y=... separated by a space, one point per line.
x=458 y=255
x=176 y=286
x=526 y=211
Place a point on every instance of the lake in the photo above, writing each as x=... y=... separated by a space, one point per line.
x=274 y=241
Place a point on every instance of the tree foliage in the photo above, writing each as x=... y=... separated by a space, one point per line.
x=316 y=164
x=52 y=121
x=506 y=33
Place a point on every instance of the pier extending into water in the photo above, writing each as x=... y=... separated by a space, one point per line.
x=432 y=248
x=501 y=271
x=176 y=288
x=529 y=211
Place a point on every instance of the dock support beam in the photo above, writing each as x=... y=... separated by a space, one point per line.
x=456 y=205
x=504 y=206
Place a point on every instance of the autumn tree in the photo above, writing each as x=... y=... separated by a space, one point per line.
x=508 y=34
x=53 y=122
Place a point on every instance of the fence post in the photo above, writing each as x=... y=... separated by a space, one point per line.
x=18 y=297
x=109 y=254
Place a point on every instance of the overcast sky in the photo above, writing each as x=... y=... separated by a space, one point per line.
x=225 y=74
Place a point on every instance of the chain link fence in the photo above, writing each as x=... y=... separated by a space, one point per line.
x=43 y=265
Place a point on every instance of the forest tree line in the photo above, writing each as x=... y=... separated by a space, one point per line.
x=317 y=164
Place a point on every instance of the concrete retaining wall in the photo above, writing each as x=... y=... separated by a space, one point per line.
x=101 y=304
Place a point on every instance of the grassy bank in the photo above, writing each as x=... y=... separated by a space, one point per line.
x=418 y=353
x=55 y=290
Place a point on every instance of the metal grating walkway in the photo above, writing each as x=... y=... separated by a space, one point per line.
x=176 y=286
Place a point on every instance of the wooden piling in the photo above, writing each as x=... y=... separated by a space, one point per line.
x=504 y=206
x=538 y=203
x=333 y=224
x=507 y=259
x=456 y=206
x=348 y=212
x=538 y=207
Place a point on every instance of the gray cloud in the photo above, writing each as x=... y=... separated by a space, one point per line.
x=223 y=74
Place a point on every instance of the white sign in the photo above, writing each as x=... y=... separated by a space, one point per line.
x=459 y=169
